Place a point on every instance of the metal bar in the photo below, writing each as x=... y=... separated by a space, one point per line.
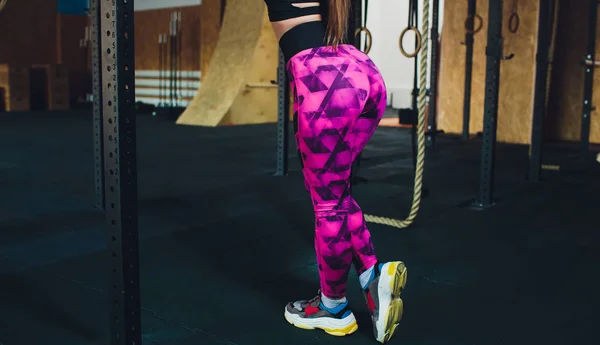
x=283 y=117
x=354 y=22
x=432 y=114
x=469 y=42
x=541 y=85
x=260 y=85
x=588 y=87
x=490 y=117
x=172 y=60
x=96 y=104
x=118 y=115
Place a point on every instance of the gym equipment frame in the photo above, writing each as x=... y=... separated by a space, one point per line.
x=114 y=122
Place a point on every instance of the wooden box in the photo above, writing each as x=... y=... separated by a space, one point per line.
x=51 y=86
x=14 y=81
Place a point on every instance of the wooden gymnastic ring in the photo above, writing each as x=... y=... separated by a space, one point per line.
x=2 y=4
x=514 y=22
x=476 y=28
x=419 y=39
x=368 y=41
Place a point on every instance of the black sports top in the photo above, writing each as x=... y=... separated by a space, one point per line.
x=303 y=36
x=285 y=9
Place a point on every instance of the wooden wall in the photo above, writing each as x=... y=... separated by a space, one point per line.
x=516 y=76
x=149 y=24
x=452 y=69
x=210 y=26
x=28 y=32
x=55 y=38
x=70 y=33
x=566 y=93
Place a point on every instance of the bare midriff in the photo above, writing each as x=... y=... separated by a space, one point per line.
x=283 y=26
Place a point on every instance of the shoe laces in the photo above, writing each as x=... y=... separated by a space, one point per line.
x=317 y=297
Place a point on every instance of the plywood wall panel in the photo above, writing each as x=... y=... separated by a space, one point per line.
x=595 y=130
x=257 y=102
x=566 y=98
x=452 y=69
x=516 y=76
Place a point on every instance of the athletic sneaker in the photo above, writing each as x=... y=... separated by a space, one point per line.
x=312 y=314
x=383 y=298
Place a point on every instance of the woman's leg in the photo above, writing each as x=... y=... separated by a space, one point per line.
x=382 y=283
x=338 y=107
x=329 y=94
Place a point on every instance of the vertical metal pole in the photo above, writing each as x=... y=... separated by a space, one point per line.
x=283 y=117
x=432 y=114
x=589 y=82
x=490 y=117
x=469 y=42
x=118 y=115
x=541 y=85
x=96 y=104
x=172 y=62
x=354 y=22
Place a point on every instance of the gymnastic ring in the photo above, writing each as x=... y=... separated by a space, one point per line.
x=476 y=28
x=419 y=38
x=514 y=22
x=369 y=40
x=2 y=4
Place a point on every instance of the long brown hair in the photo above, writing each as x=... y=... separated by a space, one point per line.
x=339 y=11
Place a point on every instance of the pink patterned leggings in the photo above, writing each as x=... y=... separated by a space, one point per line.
x=339 y=99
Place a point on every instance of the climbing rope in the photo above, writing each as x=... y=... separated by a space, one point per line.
x=418 y=184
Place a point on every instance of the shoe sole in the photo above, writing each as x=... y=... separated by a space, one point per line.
x=335 y=327
x=391 y=284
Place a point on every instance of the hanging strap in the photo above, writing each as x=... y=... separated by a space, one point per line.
x=413 y=12
x=363 y=28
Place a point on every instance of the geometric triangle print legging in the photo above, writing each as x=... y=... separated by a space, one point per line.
x=339 y=99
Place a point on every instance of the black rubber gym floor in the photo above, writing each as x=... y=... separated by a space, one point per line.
x=224 y=244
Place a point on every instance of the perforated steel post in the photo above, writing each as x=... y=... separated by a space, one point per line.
x=541 y=85
x=588 y=86
x=469 y=42
x=118 y=116
x=283 y=118
x=432 y=114
x=494 y=53
x=97 y=104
